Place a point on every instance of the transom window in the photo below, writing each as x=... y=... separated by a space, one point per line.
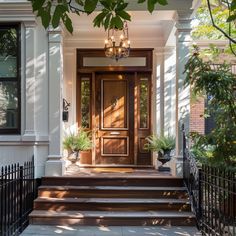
x=9 y=79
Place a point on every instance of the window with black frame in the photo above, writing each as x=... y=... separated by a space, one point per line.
x=9 y=79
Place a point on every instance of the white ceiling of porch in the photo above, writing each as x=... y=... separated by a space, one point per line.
x=145 y=30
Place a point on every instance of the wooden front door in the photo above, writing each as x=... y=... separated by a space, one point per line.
x=114 y=113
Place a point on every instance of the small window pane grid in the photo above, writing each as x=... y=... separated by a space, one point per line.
x=85 y=103
x=9 y=79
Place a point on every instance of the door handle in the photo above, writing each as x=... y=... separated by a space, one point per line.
x=115 y=133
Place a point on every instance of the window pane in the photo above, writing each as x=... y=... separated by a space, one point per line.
x=85 y=103
x=8 y=52
x=8 y=105
x=143 y=103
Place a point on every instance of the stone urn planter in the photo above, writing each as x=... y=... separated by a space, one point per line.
x=164 y=158
x=163 y=145
x=74 y=157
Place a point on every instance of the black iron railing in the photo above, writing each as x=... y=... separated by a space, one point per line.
x=212 y=193
x=17 y=192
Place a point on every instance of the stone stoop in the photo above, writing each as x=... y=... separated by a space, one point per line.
x=112 y=201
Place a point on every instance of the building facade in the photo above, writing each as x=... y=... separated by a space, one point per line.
x=41 y=68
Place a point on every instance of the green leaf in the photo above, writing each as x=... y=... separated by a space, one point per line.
x=46 y=18
x=150 y=5
x=106 y=3
x=107 y=21
x=141 y=1
x=99 y=19
x=231 y=18
x=90 y=5
x=233 y=5
x=118 y=23
x=121 y=6
x=68 y=23
x=58 y=13
x=37 y=4
x=124 y=15
x=162 y=2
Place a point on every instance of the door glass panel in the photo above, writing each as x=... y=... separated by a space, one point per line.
x=114 y=104
x=143 y=103
x=85 y=103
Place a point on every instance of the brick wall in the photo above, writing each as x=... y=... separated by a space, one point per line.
x=197 y=123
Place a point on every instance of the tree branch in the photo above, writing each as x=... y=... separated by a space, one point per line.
x=217 y=27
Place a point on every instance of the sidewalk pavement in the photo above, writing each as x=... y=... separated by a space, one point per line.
x=45 y=230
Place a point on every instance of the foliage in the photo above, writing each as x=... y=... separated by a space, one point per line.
x=78 y=142
x=113 y=12
x=214 y=23
x=160 y=144
x=205 y=29
x=8 y=42
x=219 y=85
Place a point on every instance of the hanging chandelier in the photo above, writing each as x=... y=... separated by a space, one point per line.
x=120 y=50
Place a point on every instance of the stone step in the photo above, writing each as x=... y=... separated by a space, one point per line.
x=121 y=218
x=112 y=192
x=114 y=204
x=145 y=180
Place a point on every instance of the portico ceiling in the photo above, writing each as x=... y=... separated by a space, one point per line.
x=152 y=30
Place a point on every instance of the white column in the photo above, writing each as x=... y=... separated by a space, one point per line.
x=55 y=166
x=169 y=90
x=29 y=83
x=159 y=92
x=183 y=41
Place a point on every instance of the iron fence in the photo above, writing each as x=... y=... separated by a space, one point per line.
x=17 y=192
x=212 y=193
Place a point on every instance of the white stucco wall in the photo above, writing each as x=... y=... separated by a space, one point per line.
x=34 y=137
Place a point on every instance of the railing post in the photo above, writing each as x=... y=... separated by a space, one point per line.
x=184 y=152
x=200 y=191
x=21 y=197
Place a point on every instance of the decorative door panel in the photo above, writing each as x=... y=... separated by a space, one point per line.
x=114 y=119
x=116 y=146
x=114 y=104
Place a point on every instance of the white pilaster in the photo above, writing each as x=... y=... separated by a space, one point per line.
x=55 y=166
x=29 y=85
x=169 y=90
x=183 y=41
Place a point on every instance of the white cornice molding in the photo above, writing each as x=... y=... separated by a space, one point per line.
x=16 y=11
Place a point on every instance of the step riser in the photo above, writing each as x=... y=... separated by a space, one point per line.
x=114 y=221
x=111 y=207
x=112 y=194
x=112 y=182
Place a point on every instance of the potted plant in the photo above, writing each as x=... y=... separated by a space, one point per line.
x=74 y=143
x=163 y=146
